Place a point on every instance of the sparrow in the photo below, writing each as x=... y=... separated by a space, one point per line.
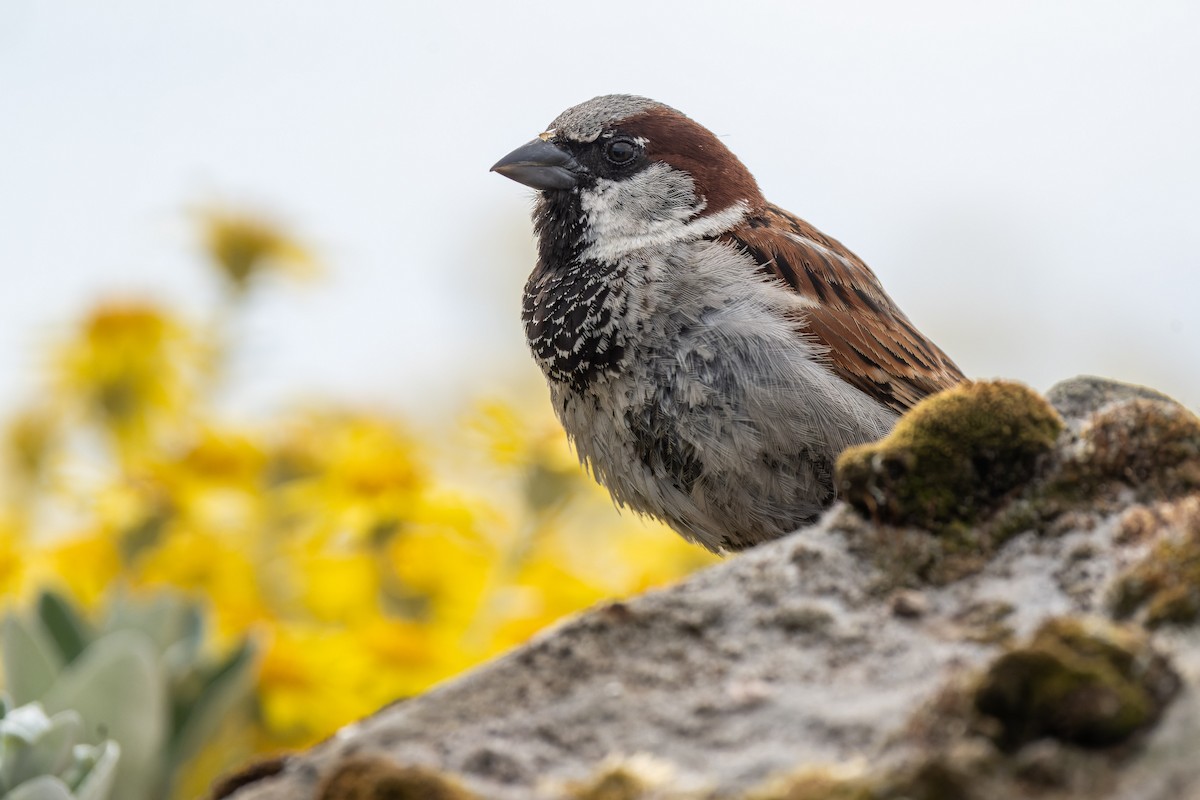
x=708 y=353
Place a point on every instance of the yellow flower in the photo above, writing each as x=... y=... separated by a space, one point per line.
x=85 y=565
x=345 y=474
x=12 y=559
x=215 y=483
x=292 y=675
x=442 y=562
x=130 y=365
x=333 y=586
x=403 y=646
x=242 y=246
x=316 y=678
x=225 y=457
x=520 y=438
x=653 y=555
x=543 y=591
x=205 y=564
x=31 y=439
x=371 y=465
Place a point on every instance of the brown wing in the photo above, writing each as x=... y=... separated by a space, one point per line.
x=871 y=344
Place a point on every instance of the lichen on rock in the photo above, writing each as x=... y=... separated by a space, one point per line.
x=953 y=457
x=1164 y=587
x=1150 y=445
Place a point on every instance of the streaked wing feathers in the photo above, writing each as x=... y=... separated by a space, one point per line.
x=871 y=344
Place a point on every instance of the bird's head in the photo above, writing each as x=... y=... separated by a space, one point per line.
x=620 y=172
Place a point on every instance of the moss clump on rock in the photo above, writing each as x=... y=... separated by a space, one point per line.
x=377 y=778
x=633 y=778
x=1086 y=682
x=1151 y=445
x=816 y=783
x=1165 y=586
x=943 y=776
x=952 y=457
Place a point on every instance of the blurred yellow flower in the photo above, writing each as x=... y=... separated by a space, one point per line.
x=543 y=591
x=86 y=566
x=650 y=555
x=334 y=586
x=362 y=473
x=442 y=564
x=515 y=438
x=372 y=562
x=130 y=366
x=315 y=679
x=243 y=246
x=12 y=559
x=371 y=468
x=214 y=482
x=30 y=442
x=224 y=457
x=208 y=565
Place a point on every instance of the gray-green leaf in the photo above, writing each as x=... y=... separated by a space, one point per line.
x=31 y=661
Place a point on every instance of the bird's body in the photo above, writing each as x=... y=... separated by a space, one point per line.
x=708 y=354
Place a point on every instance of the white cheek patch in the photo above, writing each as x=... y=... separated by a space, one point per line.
x=655 y=208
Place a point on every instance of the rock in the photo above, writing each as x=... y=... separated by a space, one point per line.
x=1164 y=587
x=1039 y=638
x=1078 y=398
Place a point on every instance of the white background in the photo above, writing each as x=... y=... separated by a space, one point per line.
x=1023 y=176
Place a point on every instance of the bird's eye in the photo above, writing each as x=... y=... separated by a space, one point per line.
x=620 y=151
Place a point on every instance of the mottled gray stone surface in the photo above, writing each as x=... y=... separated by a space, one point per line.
x=1077 y=398
x=800 y=652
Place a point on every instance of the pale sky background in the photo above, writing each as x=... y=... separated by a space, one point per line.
x=1023 y=176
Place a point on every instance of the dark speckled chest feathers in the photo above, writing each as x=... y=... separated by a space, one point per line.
x=573 y=307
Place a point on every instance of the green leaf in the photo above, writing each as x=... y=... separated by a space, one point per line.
x=198 y=718
x=50 y=751
x=99 y=781
x=181 y=656
x=43 y=787
x=64 y=624
x=166 y=618
x=31 y=661
x=117 y=686
x=25 y=724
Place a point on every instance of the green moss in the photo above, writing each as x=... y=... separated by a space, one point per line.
x=937 y=778
x=1165 y=586
x=952 y=458
x=1089 y=683
x=814 y=783
x=615 y=785
x=375 y=778
x=632 y=778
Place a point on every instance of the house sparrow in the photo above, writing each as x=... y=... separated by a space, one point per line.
x=708 y=353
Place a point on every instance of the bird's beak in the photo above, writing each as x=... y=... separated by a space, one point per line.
x=541 y=165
